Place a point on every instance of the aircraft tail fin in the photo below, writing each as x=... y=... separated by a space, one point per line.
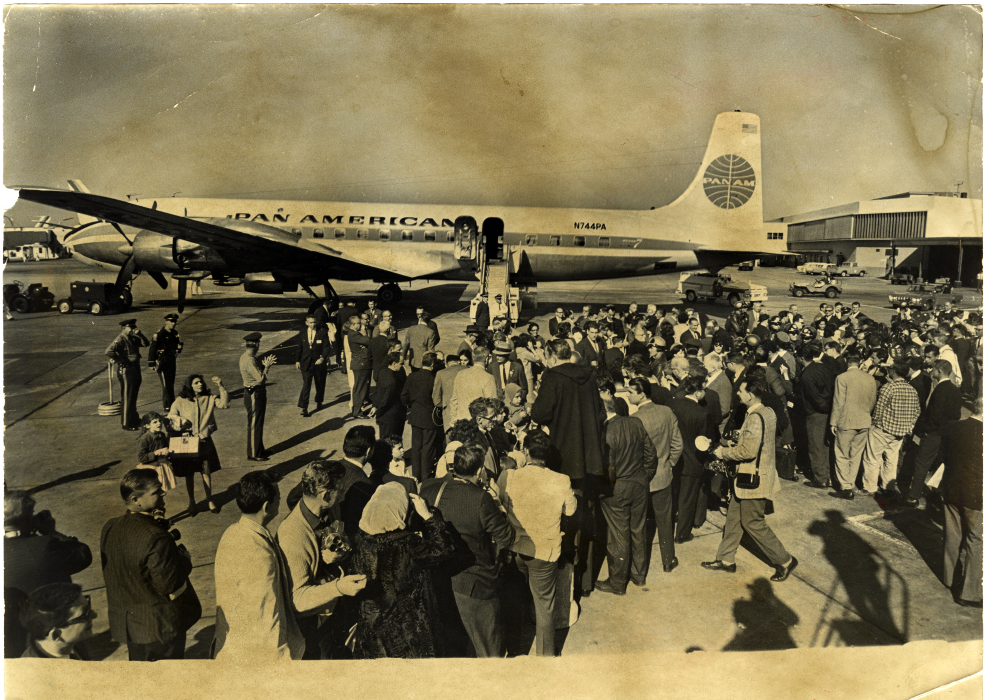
x=78 y=186
x=722 y=207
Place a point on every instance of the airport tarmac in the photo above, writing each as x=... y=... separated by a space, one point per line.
x=867 y=576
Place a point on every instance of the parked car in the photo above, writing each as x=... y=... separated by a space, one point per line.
x=96 y=297
x=25 y=300
x=851 y=270
x=901 y=278
x=747 y=266
x=822 y=287
x=813 y=268
x=925 y=296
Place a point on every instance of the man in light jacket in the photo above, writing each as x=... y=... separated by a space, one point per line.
x=851 y=416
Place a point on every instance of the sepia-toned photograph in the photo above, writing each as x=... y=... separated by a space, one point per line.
x=645 y=338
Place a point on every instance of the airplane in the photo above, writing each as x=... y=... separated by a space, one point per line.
x=276 y=246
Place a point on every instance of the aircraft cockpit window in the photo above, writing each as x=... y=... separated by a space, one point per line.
x=407 y=234
x=384 y=234
x=317 y=233
x=531 y=239
x=604 y=242
x=362 y=233
x=340 y=233
x=578 y=241
x=429 y=235
x=554 y=240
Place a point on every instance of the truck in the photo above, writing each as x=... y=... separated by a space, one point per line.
x=708 y=287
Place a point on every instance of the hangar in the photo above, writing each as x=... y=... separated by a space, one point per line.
x=929 y=235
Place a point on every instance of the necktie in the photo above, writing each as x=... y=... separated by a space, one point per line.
x=312 y=337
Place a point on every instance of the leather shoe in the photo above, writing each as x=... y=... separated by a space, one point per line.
x=257 y=459
x=684 y=538
x=606 y=587
x=305 y=413
x=969 y=603
x=816 y=484
x=718 y=565
x=640 y=584
x=783 y=572
x=667 y=568
x=845 y=494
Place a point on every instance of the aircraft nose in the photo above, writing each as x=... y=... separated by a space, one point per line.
x=101 y=243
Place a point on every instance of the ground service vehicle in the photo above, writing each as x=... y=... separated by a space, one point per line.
x=851 y=270
x=96 y=297
x=34 y=298
x=925 y=296
x=823 y=287
x=708 y=287
x=813 y=268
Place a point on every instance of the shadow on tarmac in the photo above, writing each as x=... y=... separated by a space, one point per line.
x=870 y=584
x=91 y=473
x=764 y=621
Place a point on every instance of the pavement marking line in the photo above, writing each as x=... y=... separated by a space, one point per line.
x=860 y=520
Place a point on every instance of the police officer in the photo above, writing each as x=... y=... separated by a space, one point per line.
x=125 y=354
x=255 y=376
x=165 y=346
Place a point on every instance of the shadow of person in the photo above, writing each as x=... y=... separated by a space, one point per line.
x=764 y=621
x=868 y=580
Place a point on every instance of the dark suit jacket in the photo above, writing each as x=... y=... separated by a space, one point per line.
x=944 y=406
x=308 y=354
x=379 y=354
x=689 y=335
x=417 y=395
x=142 y=565
x=482 y=316
x=693 y=421
x=360 y=351
x=473 y=514
x=631 y=454
x=922 y=385
x=516 y=375
x=31 y=561
x=325 y=318
x=388 y=395
x=817 y=388
x=961 y=450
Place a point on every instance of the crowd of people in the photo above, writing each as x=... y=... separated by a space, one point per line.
x=545 y=451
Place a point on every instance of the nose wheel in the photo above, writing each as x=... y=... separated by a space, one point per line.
x=390 y=294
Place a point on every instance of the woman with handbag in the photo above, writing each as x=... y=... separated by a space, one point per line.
x=152 y=449
x=754 y=483
x=193 y=409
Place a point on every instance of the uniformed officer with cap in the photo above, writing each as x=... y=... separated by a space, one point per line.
x=165 y=346
x=255 y=376
x=125 y=354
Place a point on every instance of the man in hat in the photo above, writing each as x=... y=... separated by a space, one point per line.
x=499 y=308
x=255 y=376
x=124 y=354
x=469 y=343
x=312 y=360
x=507 y=371
x=165 y=346
x=419 y=339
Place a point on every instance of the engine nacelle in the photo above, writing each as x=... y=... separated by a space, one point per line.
x=265 y=283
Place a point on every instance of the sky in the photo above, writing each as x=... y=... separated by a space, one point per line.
x=553 y=105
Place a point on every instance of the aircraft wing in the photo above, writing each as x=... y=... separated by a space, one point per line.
x=269 y=242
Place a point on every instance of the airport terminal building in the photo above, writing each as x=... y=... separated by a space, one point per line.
x=929 y=235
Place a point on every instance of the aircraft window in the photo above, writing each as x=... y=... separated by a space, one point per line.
x=407 y=234
x=604 y=241
x=450 y=236
x=340 y=233
x=554 y=240
x=429 y=235
x=578 y=241
x=317 y=233
x=362 y=233
x=384 y=234
x=531 y=240
x=297 y=231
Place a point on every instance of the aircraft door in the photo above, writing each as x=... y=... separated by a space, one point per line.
x=465 y=238
x=494 y=239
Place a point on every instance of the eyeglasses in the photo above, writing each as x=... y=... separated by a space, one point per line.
x=85 y=617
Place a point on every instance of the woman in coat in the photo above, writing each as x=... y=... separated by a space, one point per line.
x=399 y=617
x=194 y=409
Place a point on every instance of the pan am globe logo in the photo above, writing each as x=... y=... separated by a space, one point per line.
x=729 y=181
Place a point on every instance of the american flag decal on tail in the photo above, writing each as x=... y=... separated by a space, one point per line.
x=750 y=128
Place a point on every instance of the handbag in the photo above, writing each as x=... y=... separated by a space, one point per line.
x=184 y=446
x=746 y=480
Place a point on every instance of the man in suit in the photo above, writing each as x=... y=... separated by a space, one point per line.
x=589 y=346
x=505 y=370
x=165 y=347
x=146 y=574
x=381 y=345
x=756 y=453
x=374 y=314
x=661 y=426
x=817 y=392
x=718 y=382
x=325 y=313
x=943 y=406
x=851 y=416
x=472 y=512
x=322 y=489
x=961 y=451
x=554 y=323
x=693 y=331
x=471 y=383
x=255 y=620
x=693 y=421
x=919 y=379
x=427 y=438
x=443 y=389
x=419 y=339
x=390 y=412
x=360 y=366
x=312 y=359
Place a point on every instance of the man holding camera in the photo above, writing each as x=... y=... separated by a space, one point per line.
x=755 y=482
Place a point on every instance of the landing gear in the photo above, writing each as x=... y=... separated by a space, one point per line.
x=390 y=294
